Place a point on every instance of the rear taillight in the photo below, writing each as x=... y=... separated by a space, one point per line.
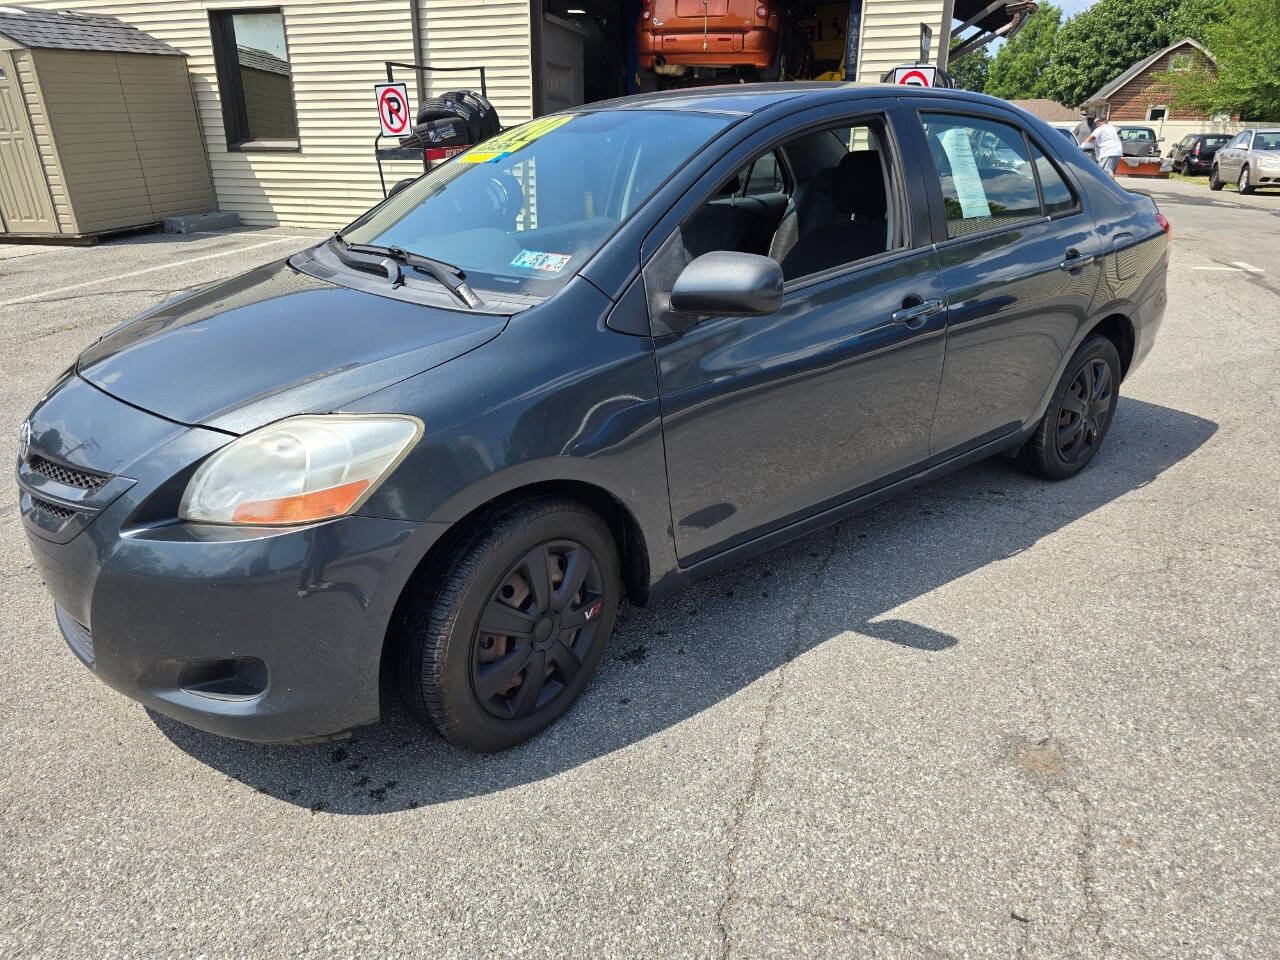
x=1196 y=151
x=762 y=12
x=1167 y=227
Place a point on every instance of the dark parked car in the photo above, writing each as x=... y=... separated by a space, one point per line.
x=598 y=355
x=1194 y=153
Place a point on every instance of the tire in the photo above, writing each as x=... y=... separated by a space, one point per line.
x=1214 y=182
x=1243 y=185
x=450 y=669
x=1085 y=398
x=441 y=132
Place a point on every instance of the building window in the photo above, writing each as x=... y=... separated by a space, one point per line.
x=254 y=79
x=1180 y=62
x=1158 y=112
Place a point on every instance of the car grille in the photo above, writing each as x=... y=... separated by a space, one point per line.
x=53 y=509
x=68 y=476
x=77 y=635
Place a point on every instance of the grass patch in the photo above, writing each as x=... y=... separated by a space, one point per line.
x=1202 y=179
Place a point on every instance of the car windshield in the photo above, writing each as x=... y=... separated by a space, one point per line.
x=1137 y=133
x=524 y=210
x=1267 y=141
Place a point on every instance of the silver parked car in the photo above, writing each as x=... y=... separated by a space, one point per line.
x=1251 y=159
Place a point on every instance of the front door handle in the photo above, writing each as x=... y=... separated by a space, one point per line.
x=913 y=309
x=1075 y=260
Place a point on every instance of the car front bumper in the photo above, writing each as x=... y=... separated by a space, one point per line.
x=265 y=634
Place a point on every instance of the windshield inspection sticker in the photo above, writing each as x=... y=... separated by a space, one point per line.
x=537 y=260
x=517 y=138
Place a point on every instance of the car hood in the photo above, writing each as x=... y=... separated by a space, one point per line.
x=271 y=343
x=1271 y=155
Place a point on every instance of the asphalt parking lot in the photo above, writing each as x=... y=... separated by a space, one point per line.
x=995 y=718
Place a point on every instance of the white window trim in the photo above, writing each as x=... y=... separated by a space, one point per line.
x=1152 y=107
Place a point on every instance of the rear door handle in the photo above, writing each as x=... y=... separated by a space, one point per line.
x=909 y=314
x=1075 y=260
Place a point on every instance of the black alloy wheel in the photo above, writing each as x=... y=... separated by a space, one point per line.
x=537 y=629
x=1084 y=412
x=1079 y=412
x=499 y=638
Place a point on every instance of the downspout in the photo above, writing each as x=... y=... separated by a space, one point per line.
x=415 y=25
x=944 y=34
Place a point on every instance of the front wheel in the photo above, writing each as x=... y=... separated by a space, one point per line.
x=1243 y=184
x=1079 y=413
x=515 y=627
x=1214 y=182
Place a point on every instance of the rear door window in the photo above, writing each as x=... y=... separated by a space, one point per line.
x=984 y=170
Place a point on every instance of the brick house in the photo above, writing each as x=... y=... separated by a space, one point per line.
x=1141 y=93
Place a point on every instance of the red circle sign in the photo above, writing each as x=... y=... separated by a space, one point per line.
x=393 y=111
x=913 y=78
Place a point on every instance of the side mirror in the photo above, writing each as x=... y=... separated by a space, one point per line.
x=726 y=282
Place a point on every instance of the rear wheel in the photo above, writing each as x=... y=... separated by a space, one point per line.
x=517 y=628
x=1214 y=182
x=1243 y=184
x=1079 y=413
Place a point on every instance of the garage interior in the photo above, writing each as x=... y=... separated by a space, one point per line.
x=585 y=51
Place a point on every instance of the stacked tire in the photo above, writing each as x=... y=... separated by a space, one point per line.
x=458 y=118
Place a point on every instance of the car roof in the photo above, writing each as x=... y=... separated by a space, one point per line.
x=748 y=98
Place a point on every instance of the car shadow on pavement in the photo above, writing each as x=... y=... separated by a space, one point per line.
x=672 y=660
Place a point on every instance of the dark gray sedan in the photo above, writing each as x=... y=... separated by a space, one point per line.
x=592 y=358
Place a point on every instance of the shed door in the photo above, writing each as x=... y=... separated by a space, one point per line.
x=24 y=193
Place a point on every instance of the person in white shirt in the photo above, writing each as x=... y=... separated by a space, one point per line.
x=1107 y=146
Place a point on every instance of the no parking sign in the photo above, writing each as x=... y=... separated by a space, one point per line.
x=917 y=76
x=393 y=108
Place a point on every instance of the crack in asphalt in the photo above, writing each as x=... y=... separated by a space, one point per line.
x=1081 y=821
x=757 y=759
x=861 y=924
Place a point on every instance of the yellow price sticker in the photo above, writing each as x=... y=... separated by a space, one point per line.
x=517 y=138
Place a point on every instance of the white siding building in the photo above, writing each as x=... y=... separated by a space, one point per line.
x=324 y=174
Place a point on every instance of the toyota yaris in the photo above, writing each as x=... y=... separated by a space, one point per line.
x=594 y=357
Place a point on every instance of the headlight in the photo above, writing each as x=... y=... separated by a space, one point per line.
x=299 y=470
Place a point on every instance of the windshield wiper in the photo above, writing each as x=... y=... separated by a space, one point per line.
x=390 y=259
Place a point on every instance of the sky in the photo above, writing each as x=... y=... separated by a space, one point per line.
x=1069 y=9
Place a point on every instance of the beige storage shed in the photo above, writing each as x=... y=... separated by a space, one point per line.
x=98 y=128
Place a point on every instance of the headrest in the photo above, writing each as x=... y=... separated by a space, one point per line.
x=860 y=185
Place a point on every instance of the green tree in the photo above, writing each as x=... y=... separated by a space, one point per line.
x=1246 y=44
x=1097 y=45
x=1193 y=18
x=1019 y=68
x=970 y=71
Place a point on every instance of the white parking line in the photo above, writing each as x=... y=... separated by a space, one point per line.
x=1224 y=269
x=164 y=266
x=1248 y=268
